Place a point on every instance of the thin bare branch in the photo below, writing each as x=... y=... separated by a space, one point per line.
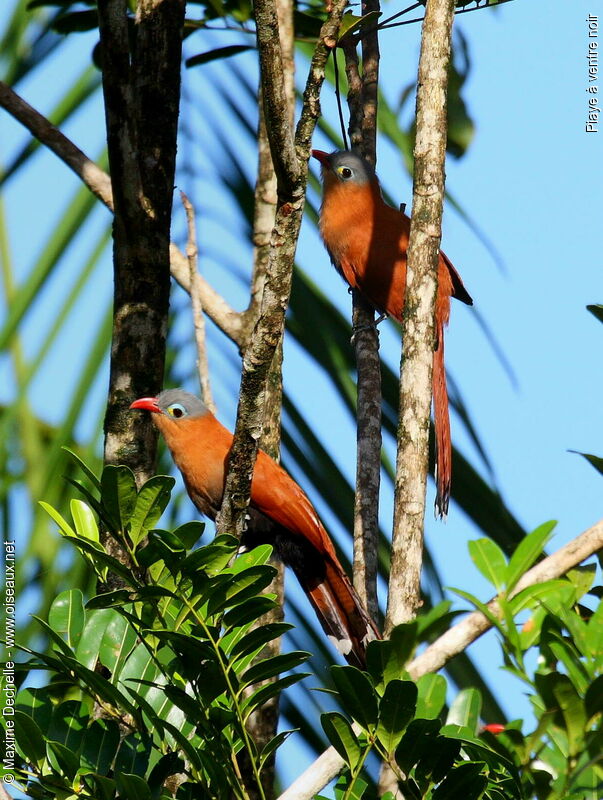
x=455 y=641
x=230 y=322
x=418 y=328
x=192 y=254
x=362 y=102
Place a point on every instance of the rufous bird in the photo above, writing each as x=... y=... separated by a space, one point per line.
x=367 y=241
x=280 y=514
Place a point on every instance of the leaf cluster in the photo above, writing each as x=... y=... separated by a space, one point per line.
x=152 y=684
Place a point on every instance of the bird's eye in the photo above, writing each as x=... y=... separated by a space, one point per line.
x=345 y=172
x=176 y=410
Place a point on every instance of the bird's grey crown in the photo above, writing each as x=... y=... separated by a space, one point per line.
x=362 y=172
x=193 y=406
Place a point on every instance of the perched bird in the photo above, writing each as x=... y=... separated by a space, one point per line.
x=280 y=514
x=367 y=241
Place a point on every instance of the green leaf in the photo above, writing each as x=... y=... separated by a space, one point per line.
x=490 y=560
x=582 y=577
x=64 y=526
x=593 y=700
x=464 y=782
x=100 y=745
x=76 y=22
x=241 y=587
x=533 y=595
x=596 y=310
x=270 y=667
x=265 y=693
x=88 y=647
x=84 y=521
x=62 y=759
x=118 y=495
x=216 y=53
x=248 y=612
x=419 y=738
x=84 y=467
x=386 y=659
x=132 y=758
x=561 y=698
x=526 y=553
x=431 y=697
x=213 y=558
x=273 y=745
x=466 y=709
x=151 y=502
x=351 y=24
x=258 y=638
x=595 y=461
x=67 y=615
x=339 y=732
x=119 y=639
x=132 y=786
x=29 y=738
x=189 y=533
x=357 y=694
x=396 y=709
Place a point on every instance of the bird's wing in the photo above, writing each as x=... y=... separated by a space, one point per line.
x=275 y=494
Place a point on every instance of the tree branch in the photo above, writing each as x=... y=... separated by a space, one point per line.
x=192 y=254
x=230 y=322
x=329 y=764
x=291 y=186
x=418 y=329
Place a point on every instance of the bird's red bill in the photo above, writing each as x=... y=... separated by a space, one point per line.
x=321 y=156
x=147 y=403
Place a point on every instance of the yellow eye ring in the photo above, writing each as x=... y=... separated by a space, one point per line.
x=345 y=172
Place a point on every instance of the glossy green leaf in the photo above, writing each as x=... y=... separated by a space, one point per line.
x=465 y=710
x=339 y=732
x=118 y=494
x=119 y=639
x=29 y=738
x=84 y=521
x=526 y=553
x=386 y=659
x=132 y=786
x=431 y=696
x=357 y=694
x=490 y=560
x=594 y=461
x=396 y=709
x=62 y=759
x=270 y=667
x=67 y=616
x=265 y=693
x=100 y=744
x=419 y=738
x=272 y=746
x=88 y=648
x=151 y=502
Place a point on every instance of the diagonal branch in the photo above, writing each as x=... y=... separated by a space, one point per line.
x=418 y=328
x=230 y=322
x=455 y=641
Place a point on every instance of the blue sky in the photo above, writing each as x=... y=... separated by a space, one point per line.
x=532 y=183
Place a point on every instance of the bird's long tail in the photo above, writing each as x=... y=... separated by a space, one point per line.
x=340 y=612
x=443 y=458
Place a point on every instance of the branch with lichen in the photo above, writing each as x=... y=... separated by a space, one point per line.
x=418 y=323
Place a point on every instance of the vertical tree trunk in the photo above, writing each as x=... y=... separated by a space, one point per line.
x=141 y=86
x=418 y=329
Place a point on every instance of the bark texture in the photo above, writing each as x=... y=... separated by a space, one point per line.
x=418 y=321
x=141 y=87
